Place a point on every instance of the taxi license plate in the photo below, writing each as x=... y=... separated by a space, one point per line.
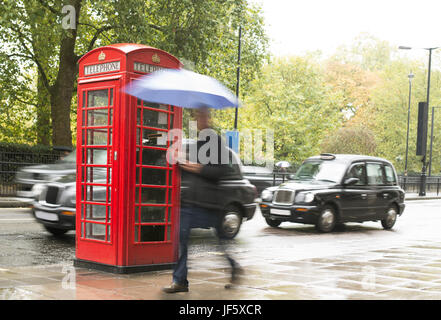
x=281 y=212
x=46 y=216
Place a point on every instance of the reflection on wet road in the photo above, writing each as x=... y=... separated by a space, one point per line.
x=24 y=242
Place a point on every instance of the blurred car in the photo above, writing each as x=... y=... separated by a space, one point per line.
x=238 y=194
x=31 y=178
x=331 y=189
x=55 y=206
x=262 y=177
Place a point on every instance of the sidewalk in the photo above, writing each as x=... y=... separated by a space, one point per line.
x=412 y=271
x=14 y=202
x=428 y=196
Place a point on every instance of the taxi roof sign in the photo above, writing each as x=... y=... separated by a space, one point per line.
x=327 y=156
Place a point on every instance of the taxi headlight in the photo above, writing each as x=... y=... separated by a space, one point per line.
x=309 y=197
x=305 y=197
x=267 y=195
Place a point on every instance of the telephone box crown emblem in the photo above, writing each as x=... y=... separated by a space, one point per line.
x=102 y=56
x=156 y=59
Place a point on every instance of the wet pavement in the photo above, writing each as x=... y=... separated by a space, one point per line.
x=358 y=261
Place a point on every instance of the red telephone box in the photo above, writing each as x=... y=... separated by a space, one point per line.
x=127 y=198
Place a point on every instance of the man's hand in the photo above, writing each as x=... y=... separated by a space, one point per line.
x=191 y=167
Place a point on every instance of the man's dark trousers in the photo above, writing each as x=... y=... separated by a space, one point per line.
x=192 y=217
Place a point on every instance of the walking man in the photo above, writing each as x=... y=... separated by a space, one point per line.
x=201 y=198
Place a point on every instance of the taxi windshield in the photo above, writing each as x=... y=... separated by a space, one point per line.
x=320 y=170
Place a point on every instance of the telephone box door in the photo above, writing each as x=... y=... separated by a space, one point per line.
x=97 y=168
x=156 y=181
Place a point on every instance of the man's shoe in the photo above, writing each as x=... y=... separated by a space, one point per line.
x=235 y=273
x=175 y=287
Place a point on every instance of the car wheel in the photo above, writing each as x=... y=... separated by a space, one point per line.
x=327 y=220
x=55 y=231
x=273 y=223
x=231 y=222
x=391 y=218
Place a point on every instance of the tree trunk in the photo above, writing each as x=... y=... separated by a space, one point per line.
x=63 y=88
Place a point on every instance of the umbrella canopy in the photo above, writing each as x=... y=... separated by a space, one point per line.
x=182 y=88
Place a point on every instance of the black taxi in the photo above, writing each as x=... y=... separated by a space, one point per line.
x=330 y=189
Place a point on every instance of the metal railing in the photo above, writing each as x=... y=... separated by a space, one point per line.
x=10 y=162
x=411 y=184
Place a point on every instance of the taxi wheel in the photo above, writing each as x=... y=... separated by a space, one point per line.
x=231 y=222
x=327 y=219
x=273 y=223
x=391 y=218
x=55 y=231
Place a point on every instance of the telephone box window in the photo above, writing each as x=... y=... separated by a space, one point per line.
x=153 y=214
x=95 y=175
x=98 y=98
x=96 y=194
x=155 y=119
x=154 y=157
x=97 y=117
x=154 y=138
x=152 y=195
x=152 y=233
x=95 y=231
x=96 y=212
x=154 y=176
x=97 y=137
x=96 y=156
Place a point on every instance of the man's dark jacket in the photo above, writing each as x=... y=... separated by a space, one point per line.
x=202 y=189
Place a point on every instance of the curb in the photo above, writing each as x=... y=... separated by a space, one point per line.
x=423 y=198
x=15 y=203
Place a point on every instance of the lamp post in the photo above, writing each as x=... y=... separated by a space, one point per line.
x=423 y=170
x=238 y=76
x=410 y=76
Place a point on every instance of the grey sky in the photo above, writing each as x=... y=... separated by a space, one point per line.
x=298 y=26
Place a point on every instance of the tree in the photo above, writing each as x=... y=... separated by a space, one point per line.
x=291 y=98
x=196 y=30
x=350 y=140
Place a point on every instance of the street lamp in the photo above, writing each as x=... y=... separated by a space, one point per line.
x=410 y=76
x=238 y=75
x=423 y=170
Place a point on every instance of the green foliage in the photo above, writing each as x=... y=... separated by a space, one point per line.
x=350 y=140
x=202 y=32
x=25 y=148
x=291 y=98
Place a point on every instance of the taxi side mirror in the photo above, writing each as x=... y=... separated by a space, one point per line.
x=350 y=181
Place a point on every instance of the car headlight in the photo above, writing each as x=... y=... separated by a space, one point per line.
x=266 y=195
x=37 y=189
x=305 y=197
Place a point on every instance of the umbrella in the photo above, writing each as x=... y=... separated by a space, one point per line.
x=183 y=88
